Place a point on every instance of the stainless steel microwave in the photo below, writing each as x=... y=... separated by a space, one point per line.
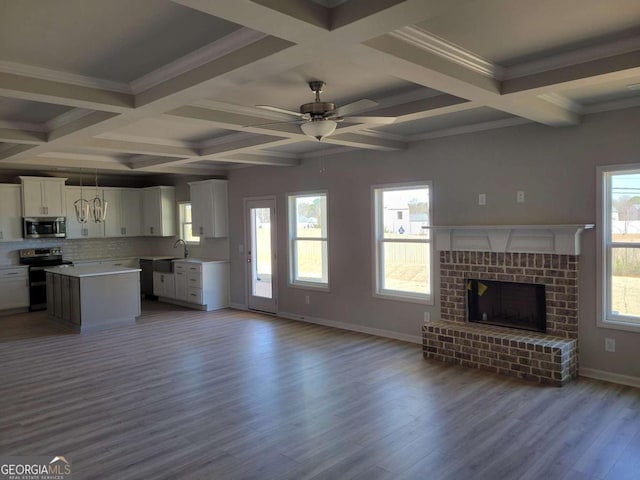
x=44 y=227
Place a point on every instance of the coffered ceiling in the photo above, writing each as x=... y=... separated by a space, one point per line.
x=171 y=86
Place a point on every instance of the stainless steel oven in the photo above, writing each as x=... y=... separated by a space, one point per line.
x=44 y=227
x=38 y=259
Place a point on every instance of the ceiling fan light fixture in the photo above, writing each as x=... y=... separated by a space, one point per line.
x=318 y=129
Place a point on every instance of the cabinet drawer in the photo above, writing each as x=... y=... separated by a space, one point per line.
x=194 y=280
x=13 y=273
x=194 y=295
x=179 y=267
x=194 y=267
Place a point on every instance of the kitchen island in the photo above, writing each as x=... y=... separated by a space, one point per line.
x=93 y=297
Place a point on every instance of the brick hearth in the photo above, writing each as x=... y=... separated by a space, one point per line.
x=559 y=274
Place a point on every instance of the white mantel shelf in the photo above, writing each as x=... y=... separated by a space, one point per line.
x=558 y=239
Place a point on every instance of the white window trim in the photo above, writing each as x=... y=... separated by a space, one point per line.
x=619 y=322
x=181 y=224
x=292 y=282
x=375 y=248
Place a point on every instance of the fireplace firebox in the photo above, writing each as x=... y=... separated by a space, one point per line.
x=507 y=304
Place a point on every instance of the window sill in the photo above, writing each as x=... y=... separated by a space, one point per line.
x=619 y=325
x=403 y=298
x=310 y=286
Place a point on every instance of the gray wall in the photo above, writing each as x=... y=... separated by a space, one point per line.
x=554 y=166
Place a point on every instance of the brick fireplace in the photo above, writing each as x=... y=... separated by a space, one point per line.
x=549 y=357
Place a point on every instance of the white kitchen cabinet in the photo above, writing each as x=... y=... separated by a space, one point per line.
x=124 y=212
x=14 y=288
x=209 y=208
x=10 y=213
x=202 y=284
x=76 y=229
x=159 y=211
x=164 y=285
x=43 y=196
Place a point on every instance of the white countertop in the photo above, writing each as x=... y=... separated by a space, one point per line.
x=157 y=258
x=200 y=260
x=90 y=270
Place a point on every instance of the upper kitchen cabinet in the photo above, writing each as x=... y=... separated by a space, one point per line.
x=43 y=196
x=10 y=213
x=159 y=211
x=75 y=229
x=124 y=212
x=209 y=208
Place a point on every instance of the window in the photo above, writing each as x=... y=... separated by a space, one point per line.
x=186 y=231
x=620 y=248
x=308 y=240
x=402 y=244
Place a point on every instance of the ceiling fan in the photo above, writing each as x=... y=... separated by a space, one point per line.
x=319 y=119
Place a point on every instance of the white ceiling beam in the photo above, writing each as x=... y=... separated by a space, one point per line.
x=59 y=93
x=7 y=154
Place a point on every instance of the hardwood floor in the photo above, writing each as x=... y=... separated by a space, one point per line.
x=231 y=395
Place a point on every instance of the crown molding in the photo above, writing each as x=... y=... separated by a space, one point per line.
x=611 y=105
x=439 y=46
x=63 y=77
x=574 y=57
x=223 y=46
x=67 y=117
x=476 y=127
x=27 y=126
x=562 y=102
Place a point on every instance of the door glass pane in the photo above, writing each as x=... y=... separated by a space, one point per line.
x=625 y=207
x=406 y=267
x=625 y=282
x=261 y=260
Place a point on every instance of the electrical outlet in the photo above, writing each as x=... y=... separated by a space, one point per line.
x=610 y=345
x=482 y=199
x=306 y=299
x=427 y=317
x=520 y=196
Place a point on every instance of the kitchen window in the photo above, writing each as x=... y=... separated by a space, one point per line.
x=308 y=244
x=402 y=243
x=619 y=248
x=186 y=227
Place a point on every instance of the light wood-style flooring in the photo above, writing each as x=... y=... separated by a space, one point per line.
x=237 y=395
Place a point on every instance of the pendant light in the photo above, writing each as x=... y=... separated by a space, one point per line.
x=81 y=206
x=98 y=206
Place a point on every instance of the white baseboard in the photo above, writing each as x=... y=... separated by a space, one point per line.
x=378 y=332
x=610 y=377
x=238 y=306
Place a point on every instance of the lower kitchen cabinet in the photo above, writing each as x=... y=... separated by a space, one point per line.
x=164 y=285
x=201 y=284
x=14 y=288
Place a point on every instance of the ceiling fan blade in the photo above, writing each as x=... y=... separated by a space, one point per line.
x=372 y=120
x=355 y=107
x=274 y=123
x=280 y=110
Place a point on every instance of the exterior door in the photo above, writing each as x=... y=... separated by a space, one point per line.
x=261 y=254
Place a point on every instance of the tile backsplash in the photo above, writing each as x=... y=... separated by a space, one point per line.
x=103 y=248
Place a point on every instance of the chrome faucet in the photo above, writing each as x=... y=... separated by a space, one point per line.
x=186 y=250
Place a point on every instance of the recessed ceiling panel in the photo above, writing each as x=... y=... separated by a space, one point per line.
x=511 y=31
x=345 y=81
x=16 y=110
x=441 y=122
x=117 y=40
x=303 y=147
x=164 y=129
